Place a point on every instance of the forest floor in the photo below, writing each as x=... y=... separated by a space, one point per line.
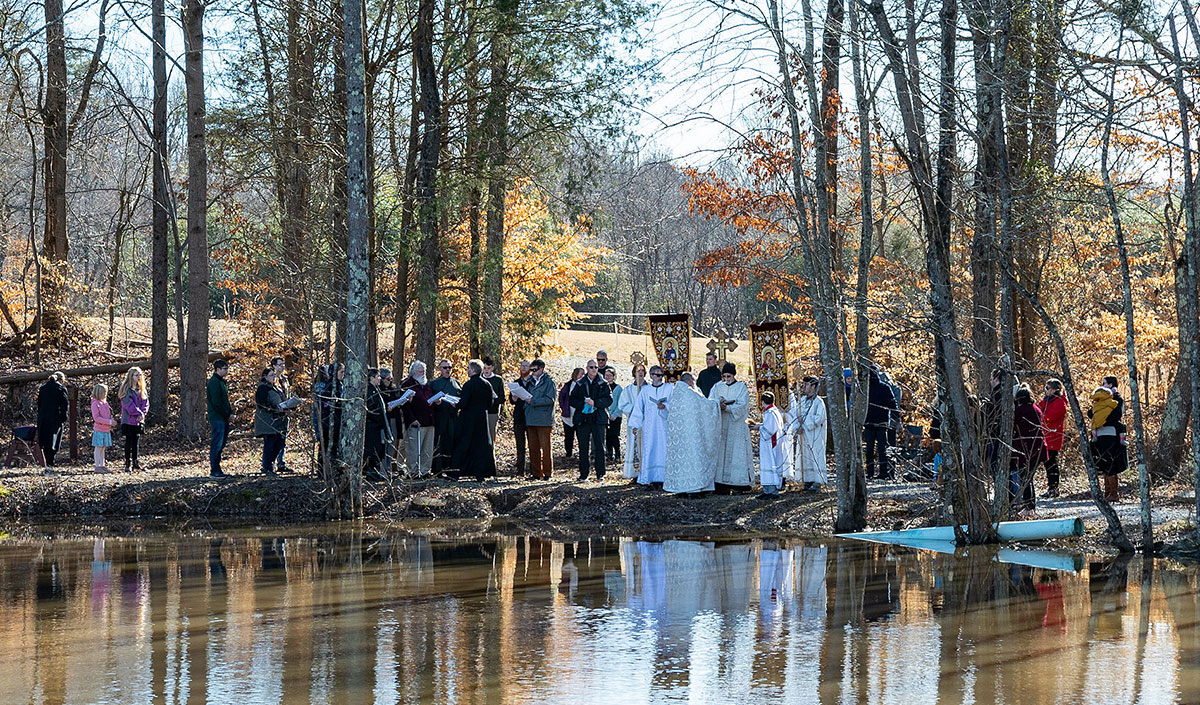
x=175 y=482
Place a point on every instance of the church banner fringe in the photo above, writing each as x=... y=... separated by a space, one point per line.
x=671 y=335
x=768 y=354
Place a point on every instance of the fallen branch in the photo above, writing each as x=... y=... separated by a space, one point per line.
x=112 y=368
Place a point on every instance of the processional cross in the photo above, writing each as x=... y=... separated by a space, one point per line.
x=637 y=359
x=721 y=345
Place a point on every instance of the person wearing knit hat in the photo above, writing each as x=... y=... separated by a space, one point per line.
x=734 y=457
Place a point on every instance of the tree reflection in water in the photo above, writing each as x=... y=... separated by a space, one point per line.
x=344 y=615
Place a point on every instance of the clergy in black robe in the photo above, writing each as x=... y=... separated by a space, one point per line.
x=709 y=376
x=445 y=417
x=473 y=454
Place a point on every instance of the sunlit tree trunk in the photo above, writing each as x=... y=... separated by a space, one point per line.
x=355 y=386
x=495 y=134
x=430 y=260
x=194 y=354
x=159 y=264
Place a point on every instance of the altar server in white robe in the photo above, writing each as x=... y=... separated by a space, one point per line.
x=649 y=419
x=628 y=401
x=772 y=462
x=692 y=429
x=734 y=457
x=810 y=440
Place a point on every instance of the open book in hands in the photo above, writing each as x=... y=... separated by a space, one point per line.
x=402 y=399
x=519 y=392
x=442 y=396
x=290 y=404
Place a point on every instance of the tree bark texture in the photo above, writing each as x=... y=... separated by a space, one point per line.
x=349 y=492
x=54 y=172
x=495 y=133
x=427 y=203
x=159 y=265
x=194 y=354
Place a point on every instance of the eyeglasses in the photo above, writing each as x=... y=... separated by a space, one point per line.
x=656 y=374
x=592 y=367
x=445 y=367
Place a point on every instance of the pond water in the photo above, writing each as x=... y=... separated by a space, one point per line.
x=335 y=615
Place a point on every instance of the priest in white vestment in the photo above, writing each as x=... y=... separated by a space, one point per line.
x=810 y=440
x=691 y=437
x=649 y=419
x=734 y=457
x=629 y=397
x=772 y=461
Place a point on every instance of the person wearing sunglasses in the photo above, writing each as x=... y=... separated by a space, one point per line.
x=445 y=417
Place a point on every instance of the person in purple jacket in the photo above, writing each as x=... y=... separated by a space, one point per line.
x=134 y=405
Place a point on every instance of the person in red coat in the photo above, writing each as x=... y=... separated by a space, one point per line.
x=1053 y=408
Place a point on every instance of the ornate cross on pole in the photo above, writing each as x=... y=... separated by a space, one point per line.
x=721 y=345
x=637 y=359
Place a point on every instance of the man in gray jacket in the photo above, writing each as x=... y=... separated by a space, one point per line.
x=539 y=420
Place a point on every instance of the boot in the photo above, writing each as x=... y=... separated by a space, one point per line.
x=1110 y=488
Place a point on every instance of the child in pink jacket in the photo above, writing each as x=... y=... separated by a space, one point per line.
x=102 y=424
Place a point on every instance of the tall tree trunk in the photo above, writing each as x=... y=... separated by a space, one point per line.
x=160 y=267
x=339 y=198
x=817 y=256
x=404 y=251
x=1190 y=305
x=124 y=214
x=1135 y=399
x=984 y=325
x=1166 y=455
x=856 y=491
x=355 y=387
x=960 y=440
x=54 y=174
x=193 y=357
x=495 y=130
x=427 y=211
x=831 y=103
x=296 y=182
x=477 y=159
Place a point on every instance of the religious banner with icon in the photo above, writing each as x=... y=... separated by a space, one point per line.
x=768 y=354
x=671 y=335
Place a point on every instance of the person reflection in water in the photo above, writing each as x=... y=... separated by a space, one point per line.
x=1051 y=592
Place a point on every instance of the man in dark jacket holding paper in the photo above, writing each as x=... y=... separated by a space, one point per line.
x=589 y=404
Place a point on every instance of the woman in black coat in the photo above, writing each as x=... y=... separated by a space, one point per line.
x=473 y=453
x=378 y=434
x=52 y=415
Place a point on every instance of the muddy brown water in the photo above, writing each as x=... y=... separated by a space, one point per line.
x=335 y=615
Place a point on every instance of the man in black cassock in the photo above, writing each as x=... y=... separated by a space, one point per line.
x=444 y=418
x=473 y=453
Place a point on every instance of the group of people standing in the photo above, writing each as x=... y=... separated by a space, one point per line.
x=53 y=409
x=1038 y=435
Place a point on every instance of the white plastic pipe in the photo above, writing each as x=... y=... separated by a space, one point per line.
x=1005 y=530
x=1032 y=558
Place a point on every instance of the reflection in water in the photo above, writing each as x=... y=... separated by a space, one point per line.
x=338 y=616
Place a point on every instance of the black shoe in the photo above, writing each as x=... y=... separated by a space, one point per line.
x=582 y=478
x=599 y=477
x=270 y=472
x=217 y=473
x=285 y=469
